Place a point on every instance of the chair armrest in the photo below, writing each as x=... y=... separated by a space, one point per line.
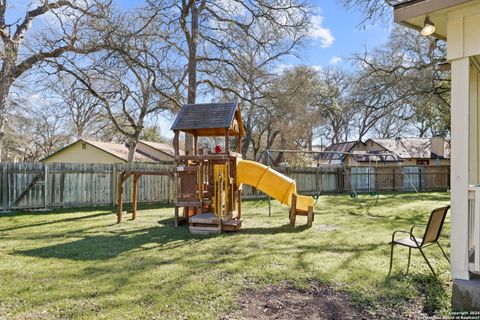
x=400 y=231
x=417 y=226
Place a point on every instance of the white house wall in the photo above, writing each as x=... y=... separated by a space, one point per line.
x=463 y=33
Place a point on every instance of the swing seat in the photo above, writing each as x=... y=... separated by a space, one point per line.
x=352 y=195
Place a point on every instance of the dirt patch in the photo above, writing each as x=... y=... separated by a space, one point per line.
x=318 y=301
x=288 y=302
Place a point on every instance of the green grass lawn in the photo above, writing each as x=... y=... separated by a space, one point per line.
x=81 y=264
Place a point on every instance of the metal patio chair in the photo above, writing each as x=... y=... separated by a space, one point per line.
x=430 y=237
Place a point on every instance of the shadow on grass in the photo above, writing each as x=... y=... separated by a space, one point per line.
x=286 y=228
x=57 y=221
x=106 y=208
x=104 y=247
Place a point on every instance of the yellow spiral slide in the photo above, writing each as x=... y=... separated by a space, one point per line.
x=271 y=182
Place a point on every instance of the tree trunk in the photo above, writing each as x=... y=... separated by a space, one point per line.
x=5 y=86
x=132 y=148
x=192 y=71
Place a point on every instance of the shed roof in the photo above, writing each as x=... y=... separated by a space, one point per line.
x=212 y=119
x=117 y=150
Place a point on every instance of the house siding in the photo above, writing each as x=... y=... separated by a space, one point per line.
x=76 y=154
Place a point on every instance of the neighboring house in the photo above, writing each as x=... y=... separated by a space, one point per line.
x=406 y=151
x=90 y=151
x=393 y=164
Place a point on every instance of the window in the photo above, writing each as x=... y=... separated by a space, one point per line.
x=84 y=145
x=422 y=162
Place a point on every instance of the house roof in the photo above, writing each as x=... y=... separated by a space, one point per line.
x=213 y=119
x=338 y=147
x=394 y=150
x=162 y=147
x=408 y=148
x=119 y=150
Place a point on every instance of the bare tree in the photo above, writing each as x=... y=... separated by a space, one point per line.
x=334 y=105
x=20 y=53
x=404 y=76
x=207 y=27
x=133 y=79
x=372 y=10
x=244 y=71
x=81 y=108
x=37 y=130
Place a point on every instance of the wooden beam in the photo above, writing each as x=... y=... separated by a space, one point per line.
x=27 y=189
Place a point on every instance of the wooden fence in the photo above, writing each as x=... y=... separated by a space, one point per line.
x=45 y=186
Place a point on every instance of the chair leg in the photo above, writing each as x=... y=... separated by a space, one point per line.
x=429 y=265
x=391 y=260
x=444 y=254
x=409 y=257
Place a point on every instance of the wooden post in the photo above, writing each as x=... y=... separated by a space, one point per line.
x=293 y=210
x=113 y=184
x=120 y=198
x=195 y=145
x=239 y=215
x=46 y=189
x=310 y=217
x=227 y=142
x=4 y=188
x=176 y=217
x=136 y=177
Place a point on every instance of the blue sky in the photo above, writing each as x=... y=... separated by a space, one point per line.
x=343 y=26
x=349 y=38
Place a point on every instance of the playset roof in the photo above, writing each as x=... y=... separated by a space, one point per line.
x=213 y=119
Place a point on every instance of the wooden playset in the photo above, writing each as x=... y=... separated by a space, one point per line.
x=208 y=182
x=206 y=187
